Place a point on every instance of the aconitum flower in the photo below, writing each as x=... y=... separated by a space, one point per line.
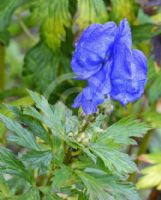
x=105 y=59
x=88 y=99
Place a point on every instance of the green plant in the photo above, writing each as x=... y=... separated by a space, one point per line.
x=151 y=175
x=63 y=156
x=46 y=151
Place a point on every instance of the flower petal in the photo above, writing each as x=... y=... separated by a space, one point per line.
x=85 y=63
x=92 y=49
x=128 y=82
x=124 y=33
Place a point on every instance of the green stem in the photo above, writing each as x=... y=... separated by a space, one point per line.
x=15 y=28
x=2 y=66
x=86 y=122
x=25 y=29
x=18 y=92
x=144 y=144
x=142 y=149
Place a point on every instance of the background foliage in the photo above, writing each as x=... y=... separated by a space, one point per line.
x=46 y=151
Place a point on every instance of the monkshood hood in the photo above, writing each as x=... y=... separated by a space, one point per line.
x=105 y=59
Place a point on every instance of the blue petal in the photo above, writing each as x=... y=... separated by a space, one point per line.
x=89 y=107
x=98 y=98
x=124 y=33
x=121 y=62
x=101 y=80
x=93 y=48
x=78 y=100
x=128 y=82
x=101 y=39
x=86 y=34
x=88 y=93
x=88 y=100
x=85 y=63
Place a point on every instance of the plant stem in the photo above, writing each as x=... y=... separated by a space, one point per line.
x=2 y=66
x=86 y=122
x=153 y=194
x=14 y=92
x=144 y=144
x=26 y=30
x=142 y=150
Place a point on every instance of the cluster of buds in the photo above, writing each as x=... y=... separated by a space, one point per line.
x=80 y=137
x=106 y=107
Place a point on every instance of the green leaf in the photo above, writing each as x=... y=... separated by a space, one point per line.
x=122 y=131
x=54 y=18
x=96 y=189
x=25 y=101
x=31 y=111
x=90 y=11
x=121 y=9
x=145 y=32
x=4 y=187
x=40 y=66
x=49 y=194
x=53 y=118
x=71 y=123
x=120 y=190
x=57 y=118
x=151 y=175
x=53 y=28
x=22 y=136
x=62 y=177
x=153 y=118
x=154 y=91
x=9 y=164
x=103 y=186
x=32 y=194
x=123 y=191
x=117 y=187
x=7 y=8
x=4 y=37
x=116 y=161
x=38 y=158
x=30 y=118
x=143 y=18
x=37 y=129
x=153 y=158
x=82 y=197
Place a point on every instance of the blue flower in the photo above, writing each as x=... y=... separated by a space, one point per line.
x=92 y=48
x=105 y=59
x=88 y=100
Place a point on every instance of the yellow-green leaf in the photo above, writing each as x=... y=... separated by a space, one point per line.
x=90 y=11
x=151 y=175
x=53 y=17
x=121 y=9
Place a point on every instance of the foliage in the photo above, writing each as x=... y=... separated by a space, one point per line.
x=88 y=12
x=7 y=8
x=152 y=177
x=96 y=167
